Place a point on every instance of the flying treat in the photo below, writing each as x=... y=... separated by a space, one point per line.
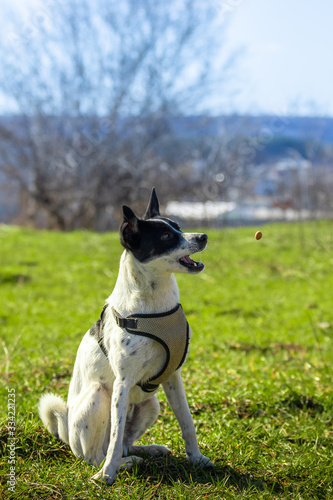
x=258 y=235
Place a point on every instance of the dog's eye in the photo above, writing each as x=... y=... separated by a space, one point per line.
x=166 y=236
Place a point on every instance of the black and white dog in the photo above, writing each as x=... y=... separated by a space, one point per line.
x=140 y=341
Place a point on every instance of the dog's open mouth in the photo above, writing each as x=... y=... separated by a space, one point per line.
x=191 y=264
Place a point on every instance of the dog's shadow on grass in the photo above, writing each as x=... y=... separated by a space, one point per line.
x=172 y=469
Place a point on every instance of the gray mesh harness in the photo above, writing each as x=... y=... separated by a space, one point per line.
x=170 y=329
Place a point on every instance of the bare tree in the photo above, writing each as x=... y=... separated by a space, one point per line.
x=93 y=85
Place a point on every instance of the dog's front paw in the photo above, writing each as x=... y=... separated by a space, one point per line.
x=109 y=474
x=107 y=477
x=202 y=461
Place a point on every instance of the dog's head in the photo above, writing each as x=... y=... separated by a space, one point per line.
x=158 y=239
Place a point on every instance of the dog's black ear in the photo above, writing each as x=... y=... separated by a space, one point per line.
x=129 y=215
x=153 y=209
x=129 y=229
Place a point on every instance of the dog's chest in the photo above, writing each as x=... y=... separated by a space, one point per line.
x=137 y=358
x=141 y=353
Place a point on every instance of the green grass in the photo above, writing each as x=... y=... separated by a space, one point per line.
x=258 y=378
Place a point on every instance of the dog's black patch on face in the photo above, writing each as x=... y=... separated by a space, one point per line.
x=153 y=238
x=157 y=237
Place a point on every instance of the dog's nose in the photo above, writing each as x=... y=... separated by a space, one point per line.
x=202 y=238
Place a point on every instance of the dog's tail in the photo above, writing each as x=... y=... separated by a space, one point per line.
x=53 y=412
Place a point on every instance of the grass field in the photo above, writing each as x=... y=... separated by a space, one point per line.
x=259 y=375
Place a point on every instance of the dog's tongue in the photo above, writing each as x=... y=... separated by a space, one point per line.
x=187 y=259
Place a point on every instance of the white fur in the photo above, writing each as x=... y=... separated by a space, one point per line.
x=106 y=411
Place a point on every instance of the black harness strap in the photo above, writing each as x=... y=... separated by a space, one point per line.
x=97 y=331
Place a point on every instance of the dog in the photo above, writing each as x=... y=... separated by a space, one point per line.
x=139 y=342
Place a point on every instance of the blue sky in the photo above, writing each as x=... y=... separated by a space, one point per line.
x=286 y=66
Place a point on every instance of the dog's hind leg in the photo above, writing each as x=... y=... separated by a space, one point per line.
x=89 y=424
x=139 y=418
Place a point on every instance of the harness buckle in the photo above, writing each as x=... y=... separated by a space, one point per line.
x=121 y=322
x=125 y=322
x=131 y=323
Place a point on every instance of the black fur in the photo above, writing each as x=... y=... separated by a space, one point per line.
x=152 y=239
x=153 y=209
